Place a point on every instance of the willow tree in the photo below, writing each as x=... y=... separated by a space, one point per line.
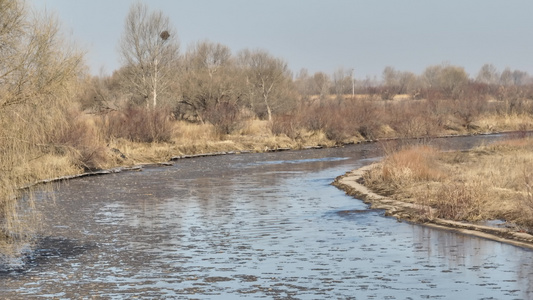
x=149 y=49
x=39 y=73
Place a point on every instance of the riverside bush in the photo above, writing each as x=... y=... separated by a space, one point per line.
x=139 y=125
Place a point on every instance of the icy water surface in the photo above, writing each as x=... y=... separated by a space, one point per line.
x=252 y=226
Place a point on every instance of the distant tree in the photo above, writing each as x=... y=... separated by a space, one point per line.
x=506 y=78
x=342 y=82
x=321 y=84
x=488 y=74
x=397 y=82
x=268 y=80
x=431 y=77
x=447 y=79
x=390 y=76
x=521 y=77
x=304 y=83
x=453 y=81
x=369 y=85
x=149 y=50
x=102 y=93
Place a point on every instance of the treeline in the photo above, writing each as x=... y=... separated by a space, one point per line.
x=443 y=81
x=208 y=83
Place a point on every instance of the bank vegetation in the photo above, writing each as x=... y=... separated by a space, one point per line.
x=492 y=182
x=57 y=119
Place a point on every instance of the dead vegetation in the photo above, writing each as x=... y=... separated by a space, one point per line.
x=490 y=182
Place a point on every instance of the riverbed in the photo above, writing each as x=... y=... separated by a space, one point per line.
x=249 y=226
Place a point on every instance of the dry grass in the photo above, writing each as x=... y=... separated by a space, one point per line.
x=506 y=122
x=406 y=166
x=490 y=182
x=188 y=138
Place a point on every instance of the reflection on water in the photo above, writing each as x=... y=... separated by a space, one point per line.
x=250 y=226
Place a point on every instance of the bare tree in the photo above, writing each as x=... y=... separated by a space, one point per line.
x=515 y=77
x=448 y=79
x=39 y=75
x=521 y=77
x=431 y=76
x=343 y=82
x=488 y=74
x=304 y=83
x=453 y=81
x=321 y=84
x=266 y=76
x=12 y=22
x=397 y=82
x=150 y=52
x=209 y=78
x=30 y=63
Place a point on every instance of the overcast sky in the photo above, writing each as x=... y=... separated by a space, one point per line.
x=327 y=34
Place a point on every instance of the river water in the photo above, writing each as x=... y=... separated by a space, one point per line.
x=252 y=226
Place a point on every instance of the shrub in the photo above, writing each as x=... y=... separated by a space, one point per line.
x=460 y=201
x=285 y=124
x=414 y=119
x=341 y=119
x=81 y=140
x=139 y=125
x=312 y=117
x=226 y=117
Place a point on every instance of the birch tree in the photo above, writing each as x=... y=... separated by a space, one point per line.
x=149 y=49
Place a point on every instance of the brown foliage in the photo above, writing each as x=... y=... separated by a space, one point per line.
x=225 y=116
x=288 y=125
x=139 y=125
x=459 y=201
x=81 y=139
x=341 y=119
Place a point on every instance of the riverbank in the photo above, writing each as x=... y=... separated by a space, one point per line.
x=98 y=156
x=459 y=191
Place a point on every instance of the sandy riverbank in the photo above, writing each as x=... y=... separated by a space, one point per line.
x=404 y=211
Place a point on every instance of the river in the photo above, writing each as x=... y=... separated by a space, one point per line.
x=249 y=226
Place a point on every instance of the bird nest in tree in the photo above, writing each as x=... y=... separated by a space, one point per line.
x=164 y=35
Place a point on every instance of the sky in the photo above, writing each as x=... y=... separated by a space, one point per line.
x=324 y=35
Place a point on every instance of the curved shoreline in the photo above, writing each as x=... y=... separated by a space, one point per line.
x=404 y=211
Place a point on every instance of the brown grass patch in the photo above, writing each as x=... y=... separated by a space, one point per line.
x=505 y=122
x=459 y=200
x=413 y=164
x=489 y=182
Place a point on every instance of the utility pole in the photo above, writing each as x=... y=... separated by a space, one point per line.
x=353 y=83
